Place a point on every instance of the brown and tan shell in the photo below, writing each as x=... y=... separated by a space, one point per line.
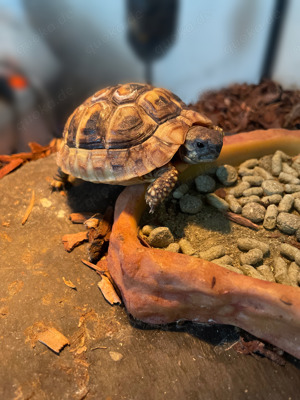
x=124 y=132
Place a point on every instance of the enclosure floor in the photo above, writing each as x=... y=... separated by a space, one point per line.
x=109 y=357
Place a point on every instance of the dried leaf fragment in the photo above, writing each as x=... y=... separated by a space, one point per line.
x=108 y=291
x=53 y=339
x=29 y=208
x=80 y=218
x=69 y=284
x=10 y=166
x=238 y=219
x=72 y=240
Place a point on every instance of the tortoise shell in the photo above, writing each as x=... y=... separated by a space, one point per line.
x=124 y=132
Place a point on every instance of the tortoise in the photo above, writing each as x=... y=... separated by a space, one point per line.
x=133 y=133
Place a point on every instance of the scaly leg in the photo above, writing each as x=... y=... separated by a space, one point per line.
x=59 y=180
x=166 y=178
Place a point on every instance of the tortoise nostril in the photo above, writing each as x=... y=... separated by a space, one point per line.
x=200 y=145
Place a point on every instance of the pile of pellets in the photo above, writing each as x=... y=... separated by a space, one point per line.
x=266 y=191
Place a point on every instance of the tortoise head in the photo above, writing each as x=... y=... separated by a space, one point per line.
x=202 y=144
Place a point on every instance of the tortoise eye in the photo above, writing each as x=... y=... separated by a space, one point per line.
x=200 y=145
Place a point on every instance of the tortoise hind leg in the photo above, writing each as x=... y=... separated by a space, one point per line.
x=166 y=178
x=59 y=180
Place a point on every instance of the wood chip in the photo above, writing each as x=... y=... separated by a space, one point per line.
x=72 y=240
x=29 y=209
x=53 y=339
x=108 y=291
x=95 y=267
x=10 y=166
x=80 y=218
x=69 y=284
x=238 y=219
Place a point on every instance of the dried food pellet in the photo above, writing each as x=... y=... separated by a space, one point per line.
x=160 y=237
x=216 y=202
x=238 y=190
x=234 y=205
x=297 y=257
x=245 y=171
x=190 y=204
x=225 y=260
x=246 y=244
x=289 y=170
x=227 y=175
x=262 y=172
x=251 y=163
x=250 y=199
x=251 y=271
x=284 y=177
x=180 y=191
x=288 y=223
x=293 y=273
x=296 y=195
x=186 y=247
x=252 y=257
x=288 y=251
x=297 y=234
x=296 y=166
x=273 y=199
x=280 y=270
x=147 y=229
x=254 y=180
x=265 y=162
x=291 y=188
x=213 y=253
x=276 y=164
x=297 y=204
x=173 y=247
x=286 y=203
x=267 y=273
x=253 y=191
x=254 y=211
x=233 y=269
x=270 y=217
x=205 y=184
x=270 y=186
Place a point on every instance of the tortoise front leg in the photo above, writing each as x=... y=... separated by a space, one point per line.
x=166 y=178
x=59 y=180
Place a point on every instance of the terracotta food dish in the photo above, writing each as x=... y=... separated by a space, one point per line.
x=160 y=287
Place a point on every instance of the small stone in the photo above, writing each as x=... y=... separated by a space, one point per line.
x=266 y=272
x=246 y=244
x=270 y=217
x=291 y=188
x=254 y=211
x=280 y=270
x=286 y=203
x=225 y=260
x=288 y=178
x=186 y=247
x=227 y=175
x=242 y=171
x=251 y=271
x=180 y=191
x=254 y=180
x=253 y=191
x=273 y=199
x=271 y=186
x=251 y=163
x=288 y=251
x=276 y=163
x=205 y=184
x=115 y=356
x=234 y=205
x=46 y=202
x=262 y=172
x=288 y=223
x=293 y=273
x=252 y=257
x=147 y=229
x=289 y=170
x=213 y=253
x=190 y=204
x=173 y=247
x=238 y=190
x=251 y=199
x=297 y=204
x=216 y=202
x=160 y=237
